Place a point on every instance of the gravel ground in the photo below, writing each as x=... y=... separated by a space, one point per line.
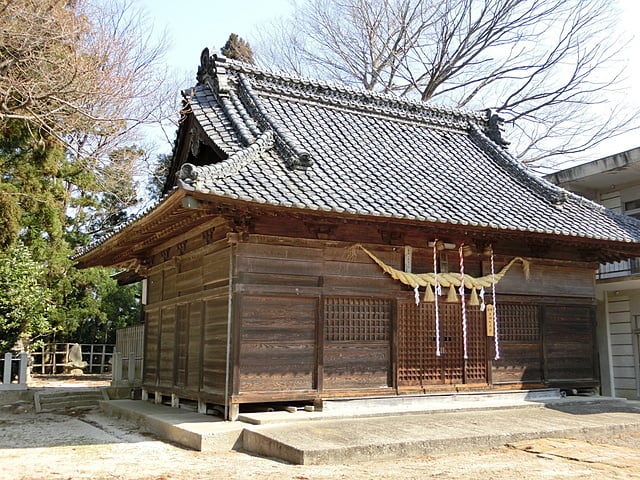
x=87 y=444
x=91 y=445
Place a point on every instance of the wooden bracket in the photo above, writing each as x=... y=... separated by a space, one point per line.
x=322 y=231
x=208 y=235
x=390 y=237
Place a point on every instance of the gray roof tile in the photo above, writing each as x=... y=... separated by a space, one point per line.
x=340 y=149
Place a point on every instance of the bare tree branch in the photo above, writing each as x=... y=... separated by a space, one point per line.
x=549 y=67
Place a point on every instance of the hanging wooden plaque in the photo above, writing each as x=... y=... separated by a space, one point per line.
x=491 y=320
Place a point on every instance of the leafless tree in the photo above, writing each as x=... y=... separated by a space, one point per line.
x=550 y=68
x=87 y=72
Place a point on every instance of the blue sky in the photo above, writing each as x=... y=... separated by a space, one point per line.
x=195 y=24
x=192 y=25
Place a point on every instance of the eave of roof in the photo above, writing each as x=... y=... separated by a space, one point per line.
x=316 y=147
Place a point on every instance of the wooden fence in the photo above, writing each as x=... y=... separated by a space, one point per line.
x=53 y=358
x=14 y=372
x=127 y=359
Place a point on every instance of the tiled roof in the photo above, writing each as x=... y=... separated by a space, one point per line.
x=314 y=145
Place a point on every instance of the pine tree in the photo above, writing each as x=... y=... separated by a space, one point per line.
x=238 y=49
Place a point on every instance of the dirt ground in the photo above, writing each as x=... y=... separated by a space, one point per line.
x=83 y=445
x=88 y=444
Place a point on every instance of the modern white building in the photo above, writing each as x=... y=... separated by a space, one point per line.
x=614 y=182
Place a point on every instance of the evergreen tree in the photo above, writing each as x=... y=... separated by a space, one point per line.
x=76 y=79
x=157 y=182
x=238 y=49
x=24 y=306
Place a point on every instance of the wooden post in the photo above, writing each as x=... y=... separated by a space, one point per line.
x=91 y=359
x=103 y=357
x=234 y=411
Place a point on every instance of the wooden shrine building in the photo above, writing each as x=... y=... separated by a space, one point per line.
x=314 y=238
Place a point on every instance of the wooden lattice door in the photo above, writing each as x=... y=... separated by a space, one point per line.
x=418 y=362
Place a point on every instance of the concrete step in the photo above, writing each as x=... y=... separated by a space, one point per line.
x=445 y=401
x=365 y=438
x=409 y=404
x=205 y=433
x=68 y=399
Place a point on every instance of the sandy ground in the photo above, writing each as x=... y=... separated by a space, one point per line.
x=83 y=445
x=90 y=445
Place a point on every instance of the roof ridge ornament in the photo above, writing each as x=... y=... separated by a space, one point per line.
x=212 y=71
x=495 y=128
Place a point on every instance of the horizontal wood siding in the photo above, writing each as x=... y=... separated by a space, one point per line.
x=352 y=271
x=287 y=265
x=520 y=344
x=623 y=355
x=569 y=336
x=357 y=343
x=546 y=280
x=277 y=343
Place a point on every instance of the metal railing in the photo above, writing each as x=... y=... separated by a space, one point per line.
x=623 y=268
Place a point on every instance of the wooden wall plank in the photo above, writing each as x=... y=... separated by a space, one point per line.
x=277 y=349
x=195 y=344
x=167 y=346
x=546 y=280
x=569 y=343
x=215 y=344
x=151 y=338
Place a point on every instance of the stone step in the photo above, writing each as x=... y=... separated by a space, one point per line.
x=59 y=401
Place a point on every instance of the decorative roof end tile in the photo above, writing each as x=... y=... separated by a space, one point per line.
x=212 y=71
x=494 y=129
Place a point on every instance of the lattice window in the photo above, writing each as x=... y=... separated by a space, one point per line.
x=349 y=319
x=518 y=323
x=417 y=360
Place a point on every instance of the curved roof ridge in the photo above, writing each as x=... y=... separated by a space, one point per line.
x=246 y=117
x=227 y=64
x=295 y=155
x=192 y=177
x=554 y=194
x=239 y=119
